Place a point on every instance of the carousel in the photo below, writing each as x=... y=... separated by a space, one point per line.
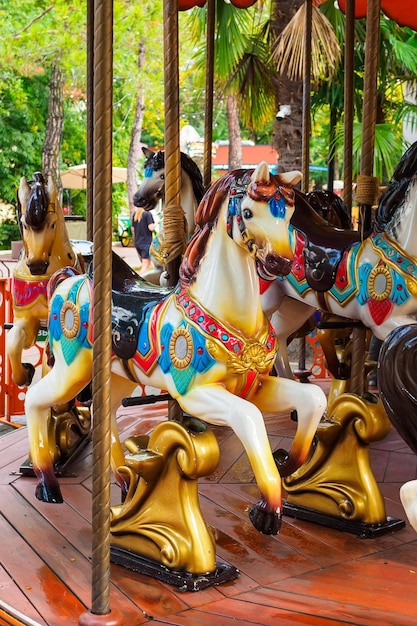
x=227 y=491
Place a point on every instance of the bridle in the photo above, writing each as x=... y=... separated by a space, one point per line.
x=278 y=197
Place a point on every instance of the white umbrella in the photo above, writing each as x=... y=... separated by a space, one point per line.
x=75 y=177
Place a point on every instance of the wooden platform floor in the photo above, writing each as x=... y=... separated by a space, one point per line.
x=308 y=574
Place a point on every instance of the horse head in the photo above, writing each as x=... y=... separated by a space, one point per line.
x=151 y=189
x=266 y=233
x=38 y=218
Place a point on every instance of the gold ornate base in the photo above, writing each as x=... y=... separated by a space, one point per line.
x=69 y=432
x=160 y=520
x=337 y=480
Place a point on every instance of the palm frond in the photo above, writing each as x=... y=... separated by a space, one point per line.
x=288 y=52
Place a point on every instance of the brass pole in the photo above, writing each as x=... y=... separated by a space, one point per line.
x=306 y=148
x=208 y=110
x=173 y=213
x=307 y=97
x=367 y=192
x=90 y=121
x=348 y=104
x=102 y=210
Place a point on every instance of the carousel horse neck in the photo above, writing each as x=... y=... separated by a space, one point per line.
x=227 y=280
x=245 y=233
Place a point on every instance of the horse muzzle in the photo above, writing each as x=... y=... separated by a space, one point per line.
x=38 y=268
x=274 y=265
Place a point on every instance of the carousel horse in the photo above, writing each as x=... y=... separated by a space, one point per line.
x=207 y=341
x=46 y=248
x=373 y=281
x=152 y=190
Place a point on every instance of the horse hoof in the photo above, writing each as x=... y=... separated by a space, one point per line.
x=52 y=495
x=265 y=522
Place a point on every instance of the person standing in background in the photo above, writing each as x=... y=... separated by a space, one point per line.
x=142 y=226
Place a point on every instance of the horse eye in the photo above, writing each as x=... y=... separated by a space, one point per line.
x=247 y=214
x=162 y=176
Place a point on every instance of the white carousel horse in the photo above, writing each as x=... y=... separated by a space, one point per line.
x=152 y=190
x=207 y=342
x=374 y=281
x=46 y=248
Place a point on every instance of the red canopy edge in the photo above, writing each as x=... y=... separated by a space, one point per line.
x=184 y=5
x=404 y=12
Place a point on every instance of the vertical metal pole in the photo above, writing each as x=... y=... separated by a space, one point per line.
x=172 y=147
x=90 y=120
x=367 y=164
x=348 y=104
x=307 y=96
x=306 y=148
x=208 y=111
x=102 y=209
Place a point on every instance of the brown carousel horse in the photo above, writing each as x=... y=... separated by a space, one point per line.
x=47 y=248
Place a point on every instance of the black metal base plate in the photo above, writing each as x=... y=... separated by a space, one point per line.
x=26 y=468
x=183 y=580
x=363 y=530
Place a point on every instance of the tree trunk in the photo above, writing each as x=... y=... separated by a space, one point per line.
x=287 y=137
x=54 y=123
x=235 y=141
x=135 y=143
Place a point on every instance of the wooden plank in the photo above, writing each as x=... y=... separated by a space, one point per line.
x=35 y=580
x=61 y=559
x=11 y=595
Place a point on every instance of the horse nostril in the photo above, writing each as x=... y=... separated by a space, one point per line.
x=278 y=265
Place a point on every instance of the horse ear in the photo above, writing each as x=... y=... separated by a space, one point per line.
x=148 y=153
x=23 y=193
x=52 y=190
x=291 y=178
x=261 y=173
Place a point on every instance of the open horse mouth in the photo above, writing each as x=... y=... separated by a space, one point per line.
x=273 y=265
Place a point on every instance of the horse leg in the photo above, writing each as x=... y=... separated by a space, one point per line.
x=120 y=388
x=22 y=335
x=279 y=395
x=215 y=405
x=59 y=386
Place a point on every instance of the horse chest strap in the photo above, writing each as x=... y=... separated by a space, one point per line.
x=27 y=291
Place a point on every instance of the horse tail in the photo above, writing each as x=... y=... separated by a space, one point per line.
x=58 y=277
x=397 y=384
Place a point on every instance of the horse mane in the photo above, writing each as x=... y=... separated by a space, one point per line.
x=37 y=204
x=190 y=167
x=393 y=198
x=206 y=219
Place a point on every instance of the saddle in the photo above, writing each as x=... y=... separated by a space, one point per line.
x=132 y=296
x=324 y=244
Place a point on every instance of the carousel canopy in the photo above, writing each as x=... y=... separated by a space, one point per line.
x=402 y=11
x=184 y=5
